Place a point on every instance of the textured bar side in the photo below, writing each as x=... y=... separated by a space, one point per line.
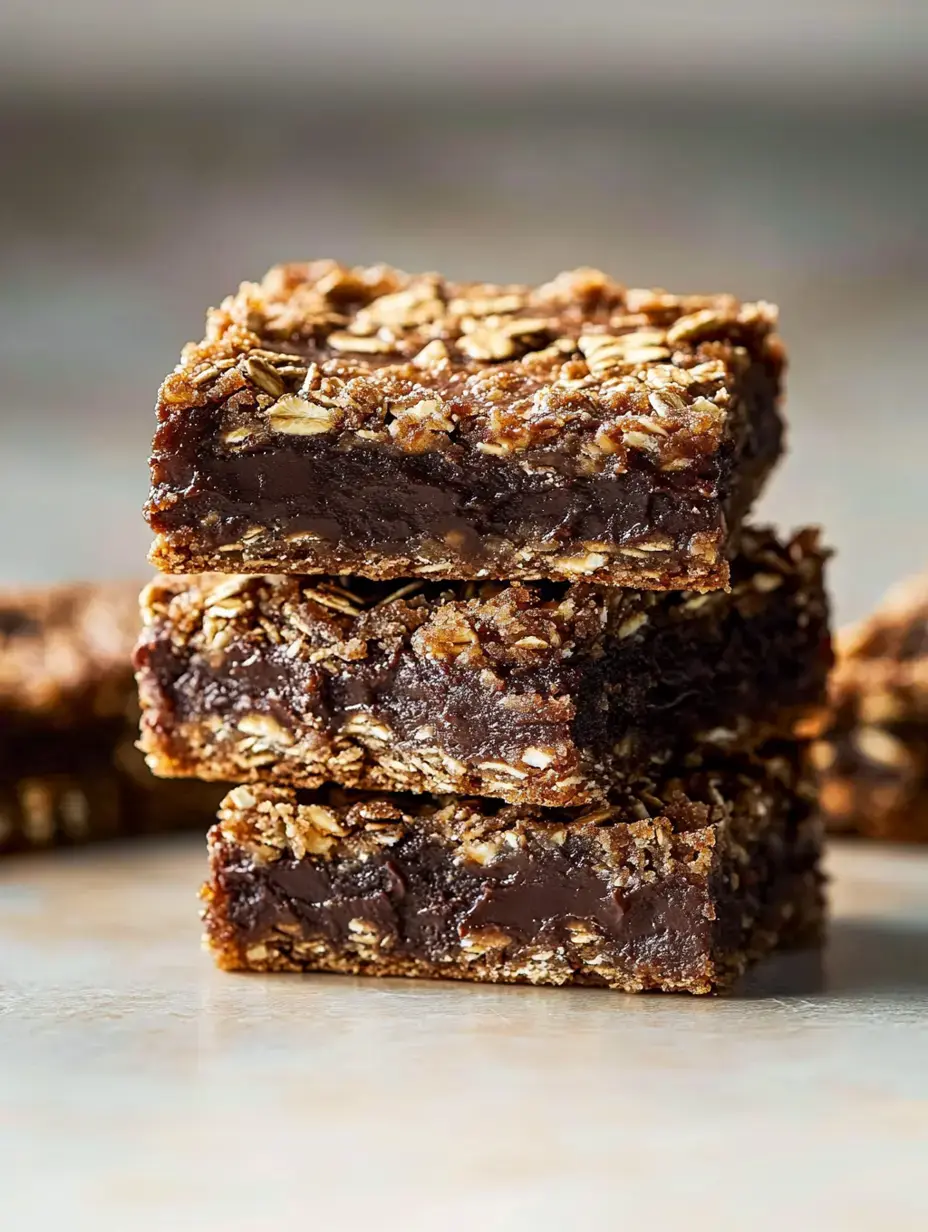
x=371 y=422
x=678 y=892
x=550 y=695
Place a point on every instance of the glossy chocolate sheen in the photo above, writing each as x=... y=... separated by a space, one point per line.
x=375 y=498
x=426 y=901
x=377 y=501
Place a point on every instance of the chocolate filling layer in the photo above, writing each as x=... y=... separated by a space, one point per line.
x=678 y=677
x=369 y=498
x=425 y=900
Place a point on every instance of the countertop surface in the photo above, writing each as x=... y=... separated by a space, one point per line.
x=141 y=1089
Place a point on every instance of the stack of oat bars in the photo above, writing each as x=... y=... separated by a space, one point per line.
x=458 y=586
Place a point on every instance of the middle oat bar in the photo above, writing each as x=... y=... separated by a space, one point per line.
x=546 y=693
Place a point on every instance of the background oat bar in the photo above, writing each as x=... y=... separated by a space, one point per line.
x=874 y=759
x=65 y=655
x=677 y=886
x=542 y=694
x=63 y=791
x=69 y=769
x=369 y=422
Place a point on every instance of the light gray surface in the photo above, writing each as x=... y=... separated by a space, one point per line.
x=143 y=1090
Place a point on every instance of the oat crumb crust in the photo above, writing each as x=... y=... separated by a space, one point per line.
x=418 y=361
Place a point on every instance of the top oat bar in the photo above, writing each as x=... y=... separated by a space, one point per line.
x=371 y=422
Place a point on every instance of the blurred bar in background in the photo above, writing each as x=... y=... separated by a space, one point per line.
x=837 y=50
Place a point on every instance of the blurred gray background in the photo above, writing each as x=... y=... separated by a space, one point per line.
x=151 y=156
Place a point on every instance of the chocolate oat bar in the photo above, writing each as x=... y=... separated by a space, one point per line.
x=69 y=771
x=677 y=886
x=874 y=758
x=386 y=425
x=542 y=694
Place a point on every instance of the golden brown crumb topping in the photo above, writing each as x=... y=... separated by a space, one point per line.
x=276 y=821
x=581 y=364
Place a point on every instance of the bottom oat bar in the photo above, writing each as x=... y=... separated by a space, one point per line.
x=874 y=758
x=678 y=887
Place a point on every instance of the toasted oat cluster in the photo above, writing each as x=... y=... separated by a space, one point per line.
x=463 y=889
x=874 y=759
x=547 y=694
x=383 y=424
